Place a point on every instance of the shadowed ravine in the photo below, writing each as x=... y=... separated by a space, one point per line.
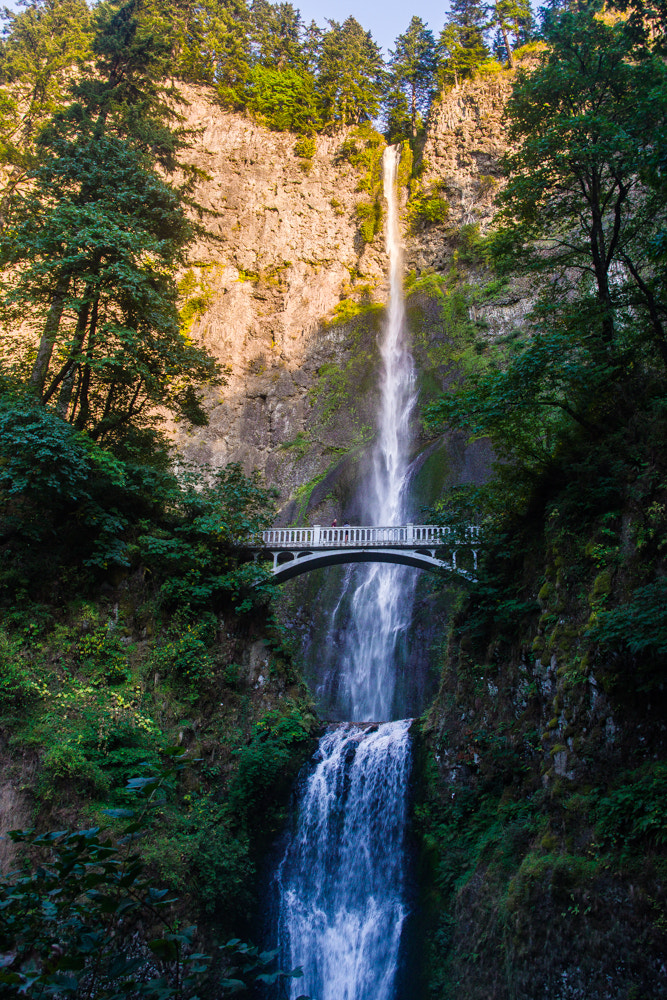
x=342 y=878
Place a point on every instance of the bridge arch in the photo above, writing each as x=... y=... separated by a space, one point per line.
x=299 y=550
x=305 y=561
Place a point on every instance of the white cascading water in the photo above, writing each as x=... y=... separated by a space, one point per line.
x=342 y=878
x=382 y=599
x=341 y=881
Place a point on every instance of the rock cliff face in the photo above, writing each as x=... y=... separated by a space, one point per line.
x=466 y=139
x=283 y=251
x=286 y=294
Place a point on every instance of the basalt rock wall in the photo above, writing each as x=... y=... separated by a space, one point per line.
x=288 y=297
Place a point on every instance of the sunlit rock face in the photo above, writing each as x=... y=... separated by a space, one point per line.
x=286 y=295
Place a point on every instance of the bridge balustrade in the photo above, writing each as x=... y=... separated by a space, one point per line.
x=364 y=536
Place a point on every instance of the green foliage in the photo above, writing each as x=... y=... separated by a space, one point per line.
x=193 y=552
x=44 y=45
x=413 y=65
x=427 y=208
x=350 y=74
x=94 y=240
x=305 y=147
x=370 y=216
x=44 y=460
x=98 y=510
x=196 y=296
x=461 y=44
x=639 y=626
x=18 y=683
x=363 y=148
x=185 y=656
x=210 y=43
x=69 y=924
x=284 y=99
x=298 y=446
x=104 y=654
x=635 y=812
x=265 y=766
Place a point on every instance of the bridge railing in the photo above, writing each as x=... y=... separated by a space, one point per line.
x=362 y=536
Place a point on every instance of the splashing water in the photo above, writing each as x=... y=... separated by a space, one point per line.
x=343 y=921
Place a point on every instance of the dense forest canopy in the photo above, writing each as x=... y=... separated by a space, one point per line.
x=263 y=58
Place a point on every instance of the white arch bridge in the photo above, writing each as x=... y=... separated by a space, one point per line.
x=298 y=550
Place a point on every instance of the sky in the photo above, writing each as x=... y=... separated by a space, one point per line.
x=385 y=19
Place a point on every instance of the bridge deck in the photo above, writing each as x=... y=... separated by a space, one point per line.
x=407 y=536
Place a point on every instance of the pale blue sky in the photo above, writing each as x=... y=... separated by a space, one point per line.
x=385 y=20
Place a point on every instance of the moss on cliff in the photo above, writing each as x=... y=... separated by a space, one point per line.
x=541 y=788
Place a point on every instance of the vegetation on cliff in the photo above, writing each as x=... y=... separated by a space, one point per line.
x=544 y=757
x=129 y=622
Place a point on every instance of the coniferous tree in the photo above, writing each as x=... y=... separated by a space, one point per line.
x=312 y=44
x=461 y=44
x=584 y=206
x=350 y=74
x=413 y=65
x=276 y=34
x=211 y=44
x=512 y=18
x=398 y=121
x=41 y=46
x=95 y=241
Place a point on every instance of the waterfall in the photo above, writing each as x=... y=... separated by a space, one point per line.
x=343 y=922
x=342 y=882
x=362 y=682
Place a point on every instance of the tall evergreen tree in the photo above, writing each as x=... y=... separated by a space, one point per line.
x=42 y=45
x=276 y=34
x=95 y=241
x=210 y=42
x=461 y=44
x=351 y=74
x=584 y=206
x=413 y=65
x=514 y=21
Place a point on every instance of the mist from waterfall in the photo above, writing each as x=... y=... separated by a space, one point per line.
x=342 y=880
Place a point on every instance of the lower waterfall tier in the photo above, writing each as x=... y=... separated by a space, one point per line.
x=342 y=881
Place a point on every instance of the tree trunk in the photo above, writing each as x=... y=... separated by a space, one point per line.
x=43 y=359
x=508 y=47
x=84 y=404
x=68 y=375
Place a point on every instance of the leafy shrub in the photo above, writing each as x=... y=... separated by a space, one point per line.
x=17 y=685
x=305 y=146
x=104 y=652
x=636 y=811
x=370 y=216
x=639 y=626
x=44 y=460
x=284 y=99
x=428 y=209
x=185 y=657
x=267 y=764
x=68 y=762
x=70 y=925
